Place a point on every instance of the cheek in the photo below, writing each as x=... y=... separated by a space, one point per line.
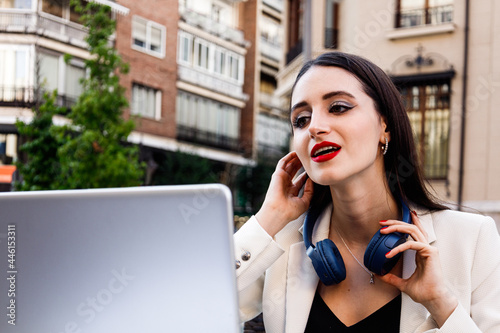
x=300 y=146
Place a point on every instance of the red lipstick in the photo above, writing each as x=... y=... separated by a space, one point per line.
x=324 y=151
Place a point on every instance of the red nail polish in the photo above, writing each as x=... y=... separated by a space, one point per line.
x=383 y=221
x=387 y=253
x=385 y=226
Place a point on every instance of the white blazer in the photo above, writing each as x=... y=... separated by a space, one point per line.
x=276 y=276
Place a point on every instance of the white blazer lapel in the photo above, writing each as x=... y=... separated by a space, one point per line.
x=302 y=282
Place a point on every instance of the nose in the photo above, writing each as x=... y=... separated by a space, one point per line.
x=318 y=125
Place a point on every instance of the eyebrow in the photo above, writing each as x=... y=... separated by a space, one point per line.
x=325 y=97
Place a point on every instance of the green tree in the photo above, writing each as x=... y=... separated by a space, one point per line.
x=94 y=153
x=41 y=167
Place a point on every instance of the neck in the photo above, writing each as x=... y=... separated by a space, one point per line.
x=358 y=208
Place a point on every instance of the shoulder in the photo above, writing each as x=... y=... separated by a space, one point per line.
x=463 y=226
x=460 y=221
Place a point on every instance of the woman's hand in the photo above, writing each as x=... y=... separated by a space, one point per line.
x=282 y=203
x=426 y=284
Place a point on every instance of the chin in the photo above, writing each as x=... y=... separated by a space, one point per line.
x=324 y=179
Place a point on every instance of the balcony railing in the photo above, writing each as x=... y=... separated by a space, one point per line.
x=193 y=135
x=294 y=51
x=424 y=16
x=213 y=27
x=25 y=97
x=42 y=24
x=275 y=4
x=270 y=49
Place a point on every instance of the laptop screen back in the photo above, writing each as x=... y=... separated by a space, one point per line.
x=149 y=259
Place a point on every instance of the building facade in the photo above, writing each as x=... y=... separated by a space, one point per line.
x=443 y=56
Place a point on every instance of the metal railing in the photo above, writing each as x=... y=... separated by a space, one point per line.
x=424 y=16
x=193 y=135
x=294 y=51
x=26 y=97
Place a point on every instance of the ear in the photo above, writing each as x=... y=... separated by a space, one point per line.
x=384 y=133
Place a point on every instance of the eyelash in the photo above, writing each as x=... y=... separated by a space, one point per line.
x=335 y=108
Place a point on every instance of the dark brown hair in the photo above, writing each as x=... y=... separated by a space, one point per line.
x=403 y=172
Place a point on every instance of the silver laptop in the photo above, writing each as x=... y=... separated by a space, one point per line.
x=148 y=259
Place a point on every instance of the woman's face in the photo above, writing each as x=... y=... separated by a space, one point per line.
x=337 y=130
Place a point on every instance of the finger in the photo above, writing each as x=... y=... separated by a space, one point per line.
x=408 y=245
x=300 y=180
x=285 y=160
x=403 y=227
x=293 y=167
x=308 y=191
x=416 y=222
x=393 y=280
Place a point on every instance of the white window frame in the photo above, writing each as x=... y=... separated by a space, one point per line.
x=180 y=56
x=204 y=43
x=158 y=97
x=147 y=47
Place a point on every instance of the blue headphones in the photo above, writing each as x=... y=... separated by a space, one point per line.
x=328 y=262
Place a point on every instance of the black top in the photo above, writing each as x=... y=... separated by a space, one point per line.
x=386 y=319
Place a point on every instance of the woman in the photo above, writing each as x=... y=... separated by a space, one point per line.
x=352 y=136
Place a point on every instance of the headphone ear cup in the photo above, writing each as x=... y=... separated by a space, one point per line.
x=333 y=271
x=375 y=259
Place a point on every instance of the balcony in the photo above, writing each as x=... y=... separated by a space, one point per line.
x=25 y=97
x=211 y=82
x=272 y=102
x=42 y=24
x=213 y=27
x=424 y=16
x=205 y=138
x=270 y=49
x=294 y=51
x=275 y=4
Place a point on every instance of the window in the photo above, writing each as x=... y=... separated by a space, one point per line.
x=15 y=73
x=17 y=4
x=331 y=24
x=55 y=73
x=273 y=134
x=49 y=72
x=52 y=7
x=201 y=54
x=428 y=108
x=73 y=87
x=207 y=122
x=234 y=67
x=220 y=62
x=271 y=31
x=148 y=36
x=146 y=101
x=295 y=29
x=422 y=12
x=209 y=57
x=185 y=47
